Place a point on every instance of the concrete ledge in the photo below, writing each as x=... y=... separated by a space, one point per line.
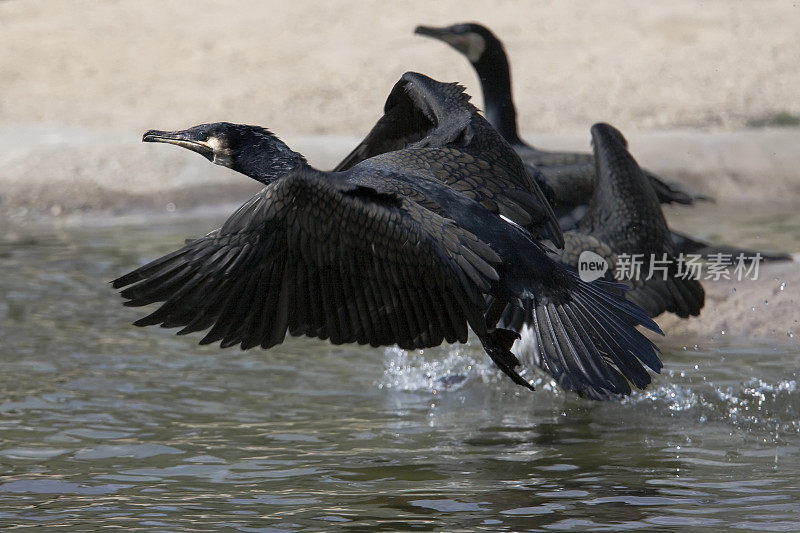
x=53 y=170
x=47 y=173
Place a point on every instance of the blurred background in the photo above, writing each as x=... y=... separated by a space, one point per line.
x=81 y=81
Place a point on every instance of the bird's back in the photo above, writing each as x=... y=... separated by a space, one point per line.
x=624 y=210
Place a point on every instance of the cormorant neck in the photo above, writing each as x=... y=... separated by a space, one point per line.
x=267 y=160
x=495 y=75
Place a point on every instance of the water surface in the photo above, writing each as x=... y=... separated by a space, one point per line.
x=102 y=423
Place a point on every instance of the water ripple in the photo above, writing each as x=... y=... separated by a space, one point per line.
x=105 y=424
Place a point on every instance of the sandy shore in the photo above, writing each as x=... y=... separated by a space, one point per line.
x=307 y=67
x=767 y=308
x=82 y=80
x=685 y=81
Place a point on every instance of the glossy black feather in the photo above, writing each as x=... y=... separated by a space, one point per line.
x=434 y=132
x=624 y=217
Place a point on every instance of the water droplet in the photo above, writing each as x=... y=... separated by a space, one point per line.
x=170 y=207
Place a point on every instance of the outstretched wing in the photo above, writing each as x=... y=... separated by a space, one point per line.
x=493 y=186
x=431 y=127
x=587 y=342
x=323 y=259
x=417 y=109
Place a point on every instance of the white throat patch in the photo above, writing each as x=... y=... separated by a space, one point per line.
x=471 y=45
x=476 y=45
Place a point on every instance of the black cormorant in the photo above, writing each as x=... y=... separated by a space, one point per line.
x=624 y=217
x=393 y=250
x=568 y=176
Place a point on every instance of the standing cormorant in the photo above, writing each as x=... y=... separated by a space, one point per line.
x=391 y=250
x=569 y=177
x=624 y=217
x=569 y=174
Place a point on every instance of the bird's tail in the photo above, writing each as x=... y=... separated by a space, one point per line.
x=687 y=245
x=683 y=296
x=589 y=342
x=671 y=192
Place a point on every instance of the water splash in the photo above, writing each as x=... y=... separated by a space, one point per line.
x=449 y=369
x=429 y=370
x=757 y=406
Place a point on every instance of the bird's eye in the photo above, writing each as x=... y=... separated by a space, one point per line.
x=202 y=135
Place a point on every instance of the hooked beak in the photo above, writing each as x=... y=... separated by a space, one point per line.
x=180 y=138
x=469 y=44
x=430 y=31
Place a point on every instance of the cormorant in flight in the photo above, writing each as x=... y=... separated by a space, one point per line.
x=407 y=247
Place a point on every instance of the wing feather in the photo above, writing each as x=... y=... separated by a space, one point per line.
x=431 y=128
x=320 y=258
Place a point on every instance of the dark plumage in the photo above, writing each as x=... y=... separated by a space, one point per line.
x=566 y=177
x=624 y=217
x=392 y=250
x=569 y=174
x=445 y=138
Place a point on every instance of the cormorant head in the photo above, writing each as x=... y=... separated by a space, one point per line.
x=251 y=150
x=469 y=38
